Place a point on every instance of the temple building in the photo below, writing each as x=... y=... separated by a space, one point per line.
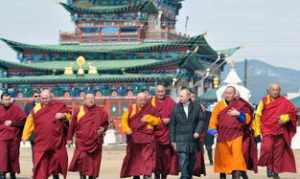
x=118 y=48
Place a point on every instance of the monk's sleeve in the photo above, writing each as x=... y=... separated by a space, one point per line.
x=152 y=120
x=28 y=128
x=257 y=119
x=124 y=123
x=172 y=126
x=213 y=122
x=21 y=116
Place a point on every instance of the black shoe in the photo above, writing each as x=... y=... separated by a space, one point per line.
x=157 y=176
x=136 y=177
x=236 y=175
x=2 y=175
x=244 y=175
x=91 y=177
x=55 y=176
x=269 y=173
x=222 y=176
x=12 y=175
x=82 y=177
x=276 y=176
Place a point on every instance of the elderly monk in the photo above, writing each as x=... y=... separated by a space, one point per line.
x=89 y=124
x=230 y=120
x=166 y=159
x=12 y=120
x=276 y=120
x=138 y=124
x=49 y=122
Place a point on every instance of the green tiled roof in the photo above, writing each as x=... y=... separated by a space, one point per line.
x=197 y=41
x=147 y=6
x=101 y=65
x=45 y=79
x=296 y=101
x=228 y=52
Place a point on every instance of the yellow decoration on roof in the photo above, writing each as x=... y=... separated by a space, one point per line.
x=68 y=70
x=80 y=61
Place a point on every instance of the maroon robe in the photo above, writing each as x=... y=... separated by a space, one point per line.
x=140 y=156
x=276 y=151
x=166 y=159
x=50 y=153
x=10 y=137
x=230 y=128
x=88 y=151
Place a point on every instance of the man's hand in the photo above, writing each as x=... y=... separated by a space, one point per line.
x=7 y=123
x=59 y=116
x=174 y=145
x=196 y=135
x=233 y=112
x=100 y=131
x=166 y=120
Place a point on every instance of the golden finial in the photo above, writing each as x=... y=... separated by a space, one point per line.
x=92 y=69
x=80 y=62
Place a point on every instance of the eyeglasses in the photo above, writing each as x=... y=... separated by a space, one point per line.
x=36 y=96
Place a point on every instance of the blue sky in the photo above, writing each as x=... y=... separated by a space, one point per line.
x=268 y=30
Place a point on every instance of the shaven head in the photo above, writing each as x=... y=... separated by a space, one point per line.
x=6 y=99
x=141 y=99
x=160 y=92
x=184 y=96
x=45 y=96
x=89 y=100
x=274 y=90
x=230 y=93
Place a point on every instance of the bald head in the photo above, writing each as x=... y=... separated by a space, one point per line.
x=230 y=93
x=274 y=90
x=46 y=96
x=89 y=100
x=184 y=96
x=160 y=92
x=141 y=99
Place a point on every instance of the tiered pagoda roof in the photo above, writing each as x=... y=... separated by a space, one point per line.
x=147 y=6
x=155 y=46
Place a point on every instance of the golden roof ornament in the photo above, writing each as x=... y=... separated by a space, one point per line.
x=68 y=70
x=92 y=69
x=80 y=62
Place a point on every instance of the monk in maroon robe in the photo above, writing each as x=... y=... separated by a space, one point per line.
x=89 y=124
x=276 y=121
x=138 y=124
x=166 y=158
x=49 y=123
x=12 y=120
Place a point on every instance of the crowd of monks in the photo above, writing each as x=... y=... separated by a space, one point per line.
x=163 y=137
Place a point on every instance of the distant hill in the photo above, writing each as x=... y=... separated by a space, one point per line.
x=261 y=74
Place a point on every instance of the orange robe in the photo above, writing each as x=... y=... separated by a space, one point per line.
x=141 y=148
x=229 y=154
